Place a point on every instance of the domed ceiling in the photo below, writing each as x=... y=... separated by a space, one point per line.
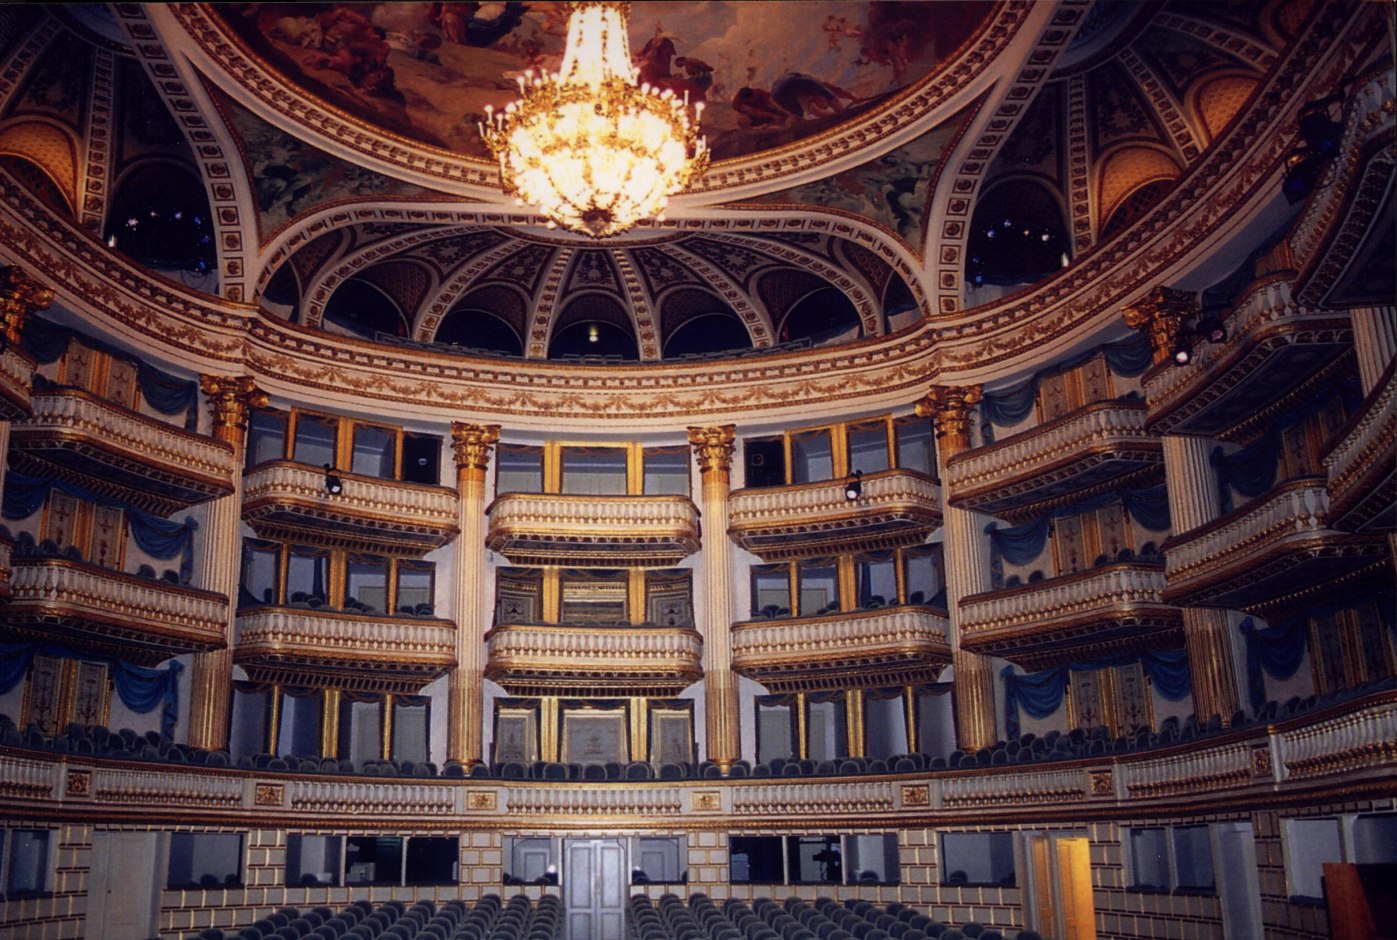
x=875 y=163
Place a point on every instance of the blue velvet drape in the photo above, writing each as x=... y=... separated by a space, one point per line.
x=1020 y=544
x=1040 y=693
x=158 y=537
x=1278 y=649
x=139 y=688
x=166 y=393
x=1006 y=406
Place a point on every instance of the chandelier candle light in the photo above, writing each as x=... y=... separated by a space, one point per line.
x=594 y=150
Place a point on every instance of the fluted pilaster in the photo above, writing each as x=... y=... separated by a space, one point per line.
x=967 y=570
x=230 y=399
x=714 y=449
x=1207 y=631
x=473 y=444
x=1374 y=342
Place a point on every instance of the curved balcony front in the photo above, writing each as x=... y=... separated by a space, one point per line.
x=1277 y=549
x=1362 y=465
x=613 y=531
x=133 y=618
x=556 y=659
x=1095 y=448
x=309 y=647
x=896 y=508
x=1115 y=608
x=1277 y=353
x=289 y=501
x=16 y=380
x=120 y=453
x=888 y=646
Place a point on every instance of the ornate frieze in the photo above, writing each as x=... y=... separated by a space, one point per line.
x=285 y=500
x=613 y=531
x=120 y=453
x=897 y=507
x=1101 y=446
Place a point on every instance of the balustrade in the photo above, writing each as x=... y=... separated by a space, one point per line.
x=893 y=643
x=895 y=508
x=1363 y=463
x=121 y=453
x=617 y=531
x=541 y=657
x=289 y=501
x=1093 y=611
x=381 y=652
x=1100 y=445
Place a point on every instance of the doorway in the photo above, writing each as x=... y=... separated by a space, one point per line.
x=1059 y=891
x=595 y=877
x=124 y=891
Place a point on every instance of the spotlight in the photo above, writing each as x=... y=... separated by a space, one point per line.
x=1183 y=352
x=853 y=487
x=1303 y=168
x=1212 y=330
x=333 y=484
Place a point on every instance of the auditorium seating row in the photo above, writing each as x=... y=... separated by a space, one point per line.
x=487 y=919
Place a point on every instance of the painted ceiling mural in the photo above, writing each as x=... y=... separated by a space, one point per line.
x=769 y=74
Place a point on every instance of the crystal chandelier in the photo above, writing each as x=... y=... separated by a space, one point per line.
x=592 y=149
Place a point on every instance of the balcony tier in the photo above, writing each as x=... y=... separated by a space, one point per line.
x=136 y=619
x=119 y=453
x=1277 y=550
x=889 y=646
x=1115 y=608
x=16 y=379
x=288 y=501
x=1363 y=465
x=310 y=647
x=553 y=659
x=897 y=508
x=1101 y=446
x=1276 y=355
x=615 y=531
x=7 y=547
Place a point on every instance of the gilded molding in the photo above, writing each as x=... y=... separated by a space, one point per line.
x=949 y=407
x=472 y=444
x=1160 y=314
x=231 y=399
x=714 y=449
x=20 y=295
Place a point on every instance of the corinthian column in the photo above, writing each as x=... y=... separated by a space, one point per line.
x=20 y=295
x=967 y=573
x=230 y=399
x=714 y=449
x=1192 y=502
x=466 y=689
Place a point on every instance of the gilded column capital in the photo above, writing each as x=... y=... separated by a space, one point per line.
x=231 y=398
x=949 y=408
x=1161 y=314
x=714 y=448
x=472 y=444
x=20 y=295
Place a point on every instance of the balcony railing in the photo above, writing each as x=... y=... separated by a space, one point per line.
x=896 y=508
x=16 y=379
x=120 y=453
x=1100 y=446
x=884 y=646
x=289 y=501
x=1264 y=552
x=1114 y=608
x=538 y=529
x=362 y=652
x=143 y=620
x=1275 y=349
x=1363 y=465
x=542 y=659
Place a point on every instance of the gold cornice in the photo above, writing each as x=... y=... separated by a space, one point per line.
x=20 y=295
